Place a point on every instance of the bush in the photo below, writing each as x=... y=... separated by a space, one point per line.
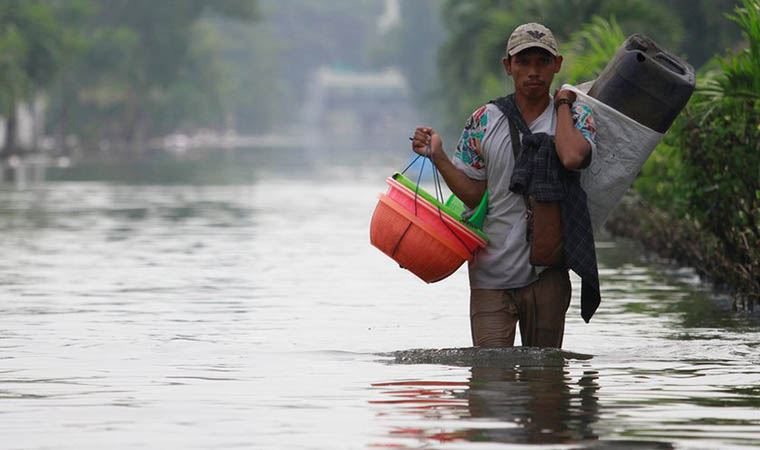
x=721 y=169
x=707 y=171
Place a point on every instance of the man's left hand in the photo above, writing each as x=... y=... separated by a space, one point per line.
x=565 y=93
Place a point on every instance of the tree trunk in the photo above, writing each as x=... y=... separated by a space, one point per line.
x=129 y=129
x=61 y=128
x=37 y=107
x=11 y=126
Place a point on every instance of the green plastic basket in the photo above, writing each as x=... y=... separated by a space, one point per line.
x=453 y=207
x=477 y=217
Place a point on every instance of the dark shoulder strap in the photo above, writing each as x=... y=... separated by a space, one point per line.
x=517 y=125
x=514 y=135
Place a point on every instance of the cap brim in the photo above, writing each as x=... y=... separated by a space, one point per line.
x=528 y=45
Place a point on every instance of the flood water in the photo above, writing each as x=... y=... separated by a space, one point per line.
x=244 y=308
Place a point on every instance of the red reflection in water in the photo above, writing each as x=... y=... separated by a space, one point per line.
x=422 y=383
x=424 y=398
x=527 y=406
x=430 y=398
x=440 y=436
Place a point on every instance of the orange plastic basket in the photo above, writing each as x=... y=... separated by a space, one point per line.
x=420 y=240
x=412 y=243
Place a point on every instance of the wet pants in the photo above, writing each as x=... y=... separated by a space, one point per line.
x=539 y=308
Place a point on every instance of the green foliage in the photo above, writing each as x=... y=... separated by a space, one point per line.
x=719 y=162
x=590 y=49
x=13 y=77
x=196 y=96
x=705 y=28
x=411 y=46
x=138 y=68
x=310 y=34
x=742 y=71
x=660 y=181
x=717 y=136
x=469 y=60
x=248 y=60
x=30 y=31
x=708 y=169
x=130 y=70
x=31 y=44
x=721 y=168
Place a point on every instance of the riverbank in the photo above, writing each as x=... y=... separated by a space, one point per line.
x=684 y=243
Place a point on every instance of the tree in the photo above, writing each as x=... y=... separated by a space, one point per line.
x=589 y=50
x=411 y=46
x=147 y=68
x=706 y=30
x=30 y=45
x=310 y=34
x=706 y=175
x=255 y=93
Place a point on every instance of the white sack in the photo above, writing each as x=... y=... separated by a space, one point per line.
x=623 y=145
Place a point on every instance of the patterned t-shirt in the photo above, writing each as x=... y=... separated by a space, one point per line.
x=484 y=152
x=469 y=147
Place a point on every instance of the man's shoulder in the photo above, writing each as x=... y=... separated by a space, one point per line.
x=482 y=116
x=486 y=113
x=480 y=110
x=486 y=108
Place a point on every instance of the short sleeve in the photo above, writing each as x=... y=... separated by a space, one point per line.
x=468 y=156
x=583 y=117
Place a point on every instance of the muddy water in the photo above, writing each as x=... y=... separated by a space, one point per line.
x=248 y=312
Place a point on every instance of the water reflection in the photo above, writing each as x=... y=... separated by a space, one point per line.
x=520 y=405
x=639 y=284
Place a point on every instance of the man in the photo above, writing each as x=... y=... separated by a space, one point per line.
x=504 y=287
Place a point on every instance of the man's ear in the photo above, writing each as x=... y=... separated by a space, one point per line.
x=558 y=63
x=507 y=63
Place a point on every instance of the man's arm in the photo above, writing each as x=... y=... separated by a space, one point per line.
x=427 y=142
x=572 y=148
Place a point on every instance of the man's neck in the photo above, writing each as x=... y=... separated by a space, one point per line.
x=531 y=108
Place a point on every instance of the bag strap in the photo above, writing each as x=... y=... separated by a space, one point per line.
x=508 y=106
x=515 y=121
x=514 y=135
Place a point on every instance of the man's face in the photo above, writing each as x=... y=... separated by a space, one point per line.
x=532 y=71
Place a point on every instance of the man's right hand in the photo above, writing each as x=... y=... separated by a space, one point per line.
x=427 y=142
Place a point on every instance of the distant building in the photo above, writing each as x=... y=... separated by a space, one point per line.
x=362 y=112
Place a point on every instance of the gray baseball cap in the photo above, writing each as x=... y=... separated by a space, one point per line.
x=531 y=35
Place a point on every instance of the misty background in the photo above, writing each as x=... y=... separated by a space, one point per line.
x=118 y=79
